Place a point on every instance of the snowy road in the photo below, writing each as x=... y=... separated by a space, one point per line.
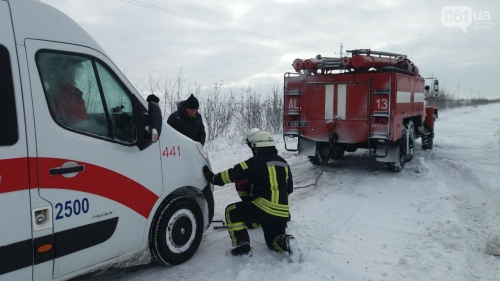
x=432 y=221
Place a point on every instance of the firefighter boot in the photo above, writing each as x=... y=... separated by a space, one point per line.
x=294 y=254
x=241 y=251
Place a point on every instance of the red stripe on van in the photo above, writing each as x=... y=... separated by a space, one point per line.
x=13 y=174
x=100 y=181
x=33 y=172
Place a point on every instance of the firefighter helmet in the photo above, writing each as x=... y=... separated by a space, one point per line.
x=262 y=139
x=250 y=134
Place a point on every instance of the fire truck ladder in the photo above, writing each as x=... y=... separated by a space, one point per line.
x=293 y=113
x=369 y=52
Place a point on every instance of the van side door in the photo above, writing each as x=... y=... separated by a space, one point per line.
x=102 y=187
x=16 y=244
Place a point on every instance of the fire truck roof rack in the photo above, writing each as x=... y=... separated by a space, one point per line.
x=396 y=69
x=369 y=52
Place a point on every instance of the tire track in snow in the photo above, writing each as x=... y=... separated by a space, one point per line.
x=468 y=197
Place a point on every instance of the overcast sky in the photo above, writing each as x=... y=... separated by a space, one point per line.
x=254 y=42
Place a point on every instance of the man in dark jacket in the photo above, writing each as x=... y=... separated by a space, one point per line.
x=188 y=121
x=271 y=180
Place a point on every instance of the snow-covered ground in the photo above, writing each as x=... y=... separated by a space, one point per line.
x=439 y=219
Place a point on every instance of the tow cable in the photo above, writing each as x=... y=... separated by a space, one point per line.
x=219 y=226
x=323 y=168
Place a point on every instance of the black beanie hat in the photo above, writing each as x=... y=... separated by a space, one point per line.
x=153 y=98
x=192 y=103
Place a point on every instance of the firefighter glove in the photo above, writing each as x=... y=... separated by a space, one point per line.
x=208 y=174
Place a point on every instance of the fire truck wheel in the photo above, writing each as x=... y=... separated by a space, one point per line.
x=337 y=152
x=319 y=158
x=176 y=231
x=315 y=160
x=403 y=153
x=427 y=142
x=410 y=128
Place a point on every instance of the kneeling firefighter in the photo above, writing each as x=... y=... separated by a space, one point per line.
x=271 y=180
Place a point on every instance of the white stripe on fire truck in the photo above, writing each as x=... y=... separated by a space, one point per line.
x=418 y=97
x=329 y=102
x=403 y=97
x=341 y=101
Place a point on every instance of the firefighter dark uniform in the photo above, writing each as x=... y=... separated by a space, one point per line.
x=271 y=182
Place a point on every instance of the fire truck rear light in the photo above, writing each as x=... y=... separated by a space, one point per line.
x=381 y=120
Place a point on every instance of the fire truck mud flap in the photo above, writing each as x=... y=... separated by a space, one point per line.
x=392 y=154
x=307 y=147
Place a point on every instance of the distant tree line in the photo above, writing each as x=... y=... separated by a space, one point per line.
x=227 y=112
x=445 y=100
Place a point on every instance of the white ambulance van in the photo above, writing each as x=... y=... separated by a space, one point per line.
x=83 y=184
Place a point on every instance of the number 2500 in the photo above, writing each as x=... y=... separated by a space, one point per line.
x=72 y=207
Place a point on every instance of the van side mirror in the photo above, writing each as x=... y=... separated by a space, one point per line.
x=154 y=122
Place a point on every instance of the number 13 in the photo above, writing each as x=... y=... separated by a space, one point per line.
x=381 y=103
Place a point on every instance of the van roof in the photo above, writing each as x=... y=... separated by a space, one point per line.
x=36 y=20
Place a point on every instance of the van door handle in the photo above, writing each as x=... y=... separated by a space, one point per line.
x=69 y=170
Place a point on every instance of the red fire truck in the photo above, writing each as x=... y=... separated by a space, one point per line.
x=373 y=100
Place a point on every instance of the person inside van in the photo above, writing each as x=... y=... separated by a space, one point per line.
x=65 y=99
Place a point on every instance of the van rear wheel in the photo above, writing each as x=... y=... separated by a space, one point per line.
x=176 y=231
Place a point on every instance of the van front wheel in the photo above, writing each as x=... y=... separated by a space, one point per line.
x=176 y=231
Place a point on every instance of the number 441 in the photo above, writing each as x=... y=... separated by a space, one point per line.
x=174 y=151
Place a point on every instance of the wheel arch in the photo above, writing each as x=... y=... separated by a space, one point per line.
x=417 y=122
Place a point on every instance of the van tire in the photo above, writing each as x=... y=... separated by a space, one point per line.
x=176 y=231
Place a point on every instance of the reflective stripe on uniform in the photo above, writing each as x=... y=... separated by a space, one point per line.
x=273 y=182
x=235 y=226
x=244 y=165
x=279 y=210
x=277 y=163
x=225 y=177
x=232 y=227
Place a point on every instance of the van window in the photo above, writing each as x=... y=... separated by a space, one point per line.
x=8 y=119
x=83 y=96
x=120 y=106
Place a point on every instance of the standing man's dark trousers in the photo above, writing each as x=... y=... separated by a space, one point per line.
x=245 y=211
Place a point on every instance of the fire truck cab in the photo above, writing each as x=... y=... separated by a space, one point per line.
x=90 y=175
x=372 y=100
